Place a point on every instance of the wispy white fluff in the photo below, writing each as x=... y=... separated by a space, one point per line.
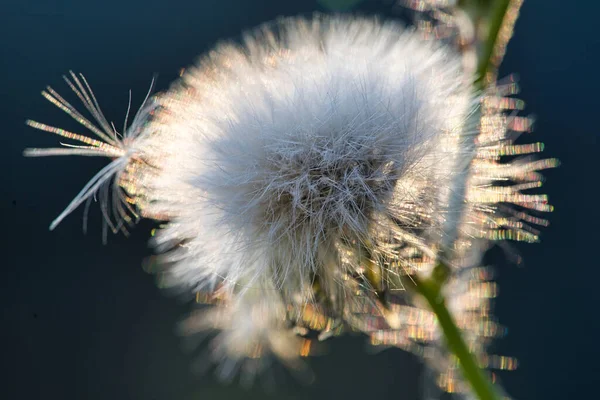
x=252 y=328
x=120 y=146
x=274 y=152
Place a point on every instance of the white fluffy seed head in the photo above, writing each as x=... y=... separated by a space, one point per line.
x=297 y=140
x=303 y=174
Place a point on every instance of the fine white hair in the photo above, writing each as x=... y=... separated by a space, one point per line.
x=273 y=152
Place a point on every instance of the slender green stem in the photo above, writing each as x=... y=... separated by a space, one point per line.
x=430 y=289
x=496 y=18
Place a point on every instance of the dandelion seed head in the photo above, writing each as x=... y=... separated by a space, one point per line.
x=298 y=138
x=306 y=176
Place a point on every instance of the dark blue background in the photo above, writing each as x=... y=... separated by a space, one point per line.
x=83 y=321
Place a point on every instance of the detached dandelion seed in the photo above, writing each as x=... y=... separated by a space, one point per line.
x=306 y=177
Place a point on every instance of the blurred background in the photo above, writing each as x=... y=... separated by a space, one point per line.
x=81 y=320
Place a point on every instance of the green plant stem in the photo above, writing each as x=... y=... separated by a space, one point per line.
x=431 y=290
x=495 y=20
x=494 y=13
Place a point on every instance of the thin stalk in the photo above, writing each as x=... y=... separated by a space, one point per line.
x=496 y=19
x=431 y=289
